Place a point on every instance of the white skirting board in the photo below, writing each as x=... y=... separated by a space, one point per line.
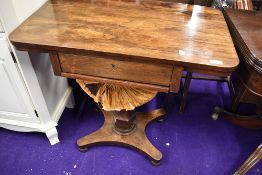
x=66 y=101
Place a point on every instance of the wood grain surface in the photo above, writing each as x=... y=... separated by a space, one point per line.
x=180 y=34
x=117 y=69
x=137 y=140
x=246 y=28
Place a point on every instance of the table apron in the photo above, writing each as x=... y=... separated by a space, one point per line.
x=135 y=73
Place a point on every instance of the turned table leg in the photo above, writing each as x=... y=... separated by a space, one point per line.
x=253 y=159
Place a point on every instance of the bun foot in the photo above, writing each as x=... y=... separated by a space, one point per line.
x=83 y=149
x=156 y=162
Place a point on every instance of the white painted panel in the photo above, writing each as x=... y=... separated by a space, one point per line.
x=9 y=101
x=14 y=100
x=54 y=92
x=53 y=87
x=25 y=8
x=33 y=86
x=1 y=28
x=14 y=12
x=8 y=16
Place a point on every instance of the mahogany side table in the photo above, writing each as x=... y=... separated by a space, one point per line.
x=142 y=44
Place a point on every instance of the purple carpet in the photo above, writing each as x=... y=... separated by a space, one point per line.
x=192 y=143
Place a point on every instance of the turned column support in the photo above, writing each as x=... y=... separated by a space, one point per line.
x=124 y=122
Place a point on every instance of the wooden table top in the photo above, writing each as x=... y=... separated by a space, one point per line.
x=249 y=26
x=193 y=36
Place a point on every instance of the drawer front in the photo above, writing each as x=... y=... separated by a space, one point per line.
x=143 y=72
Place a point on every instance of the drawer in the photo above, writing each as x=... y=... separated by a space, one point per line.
x=119 y=69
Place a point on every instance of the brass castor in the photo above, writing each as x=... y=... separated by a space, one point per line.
x=156 y=162
x=216 y=112
x=161 y=120
x=215 y=115
x=83 y=150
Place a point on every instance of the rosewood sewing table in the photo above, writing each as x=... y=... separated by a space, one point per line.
x=138 y=44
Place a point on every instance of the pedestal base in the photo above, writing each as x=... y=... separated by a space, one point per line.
x=138 y=140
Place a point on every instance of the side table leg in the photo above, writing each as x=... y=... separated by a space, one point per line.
x=253 y=159
x=241 y=92
x=184 y=91
x=231 y=87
